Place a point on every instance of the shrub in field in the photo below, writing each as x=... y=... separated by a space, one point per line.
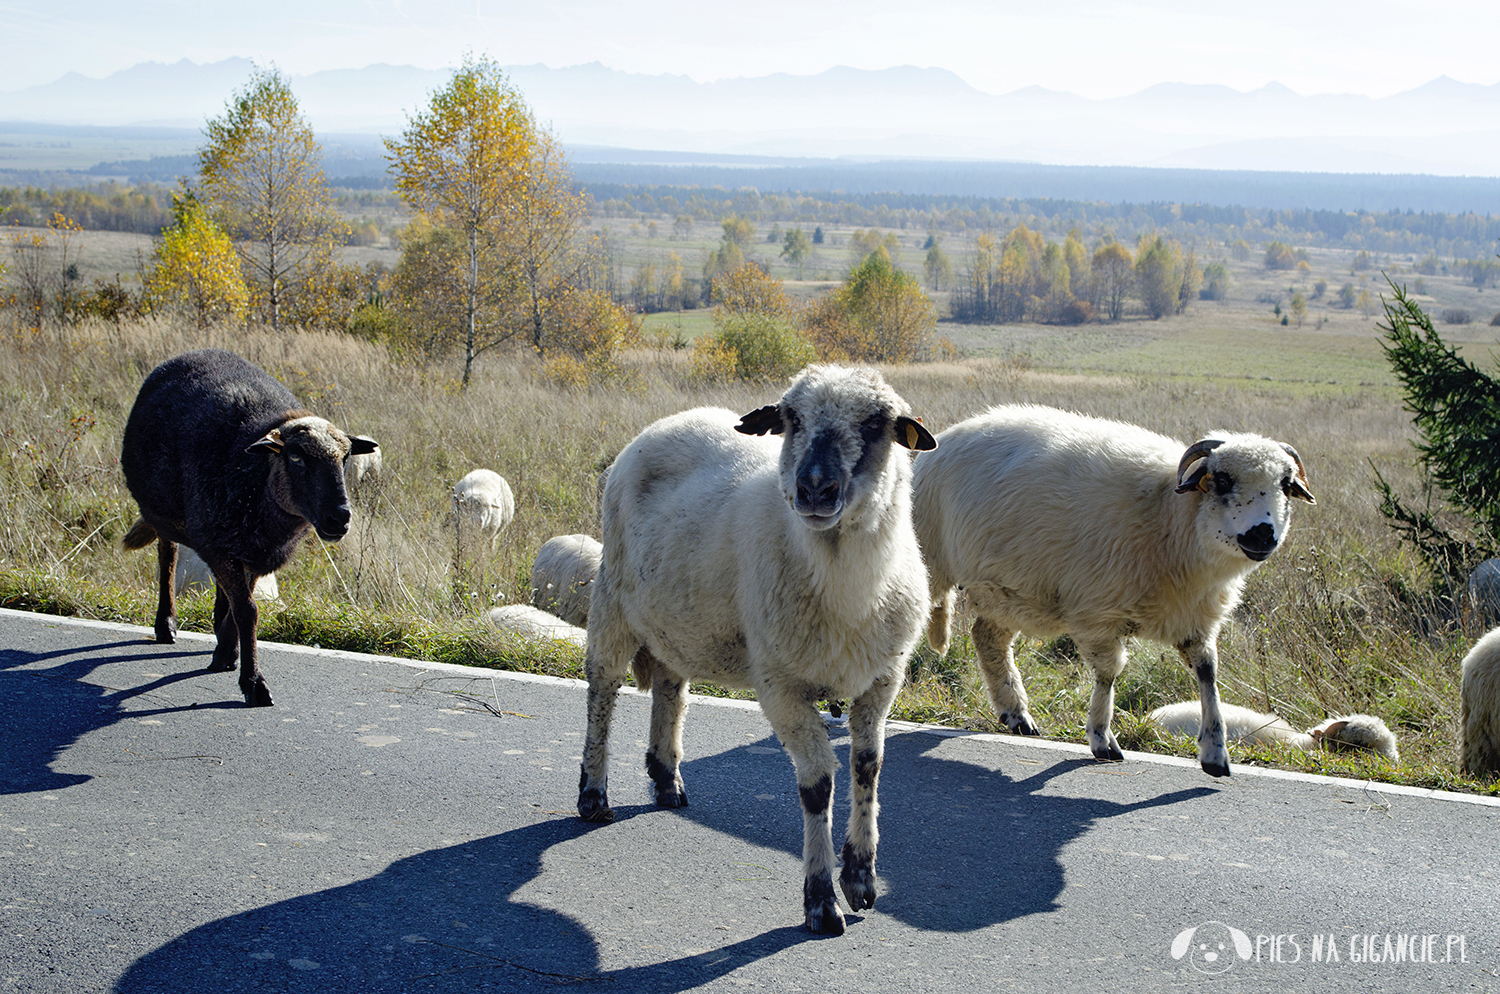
x=765 y=347
x=880 y=314
x=587 y=331
x=755 y=336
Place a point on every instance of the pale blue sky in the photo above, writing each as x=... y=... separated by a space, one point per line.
x=1090 y=47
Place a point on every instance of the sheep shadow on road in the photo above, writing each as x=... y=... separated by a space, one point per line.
x=48 y=708
x=963 y=847
x=472 y=916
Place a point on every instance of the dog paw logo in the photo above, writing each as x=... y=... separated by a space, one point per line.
x=1212 y=947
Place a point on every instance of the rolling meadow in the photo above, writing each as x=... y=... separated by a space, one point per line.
x=1340 y=619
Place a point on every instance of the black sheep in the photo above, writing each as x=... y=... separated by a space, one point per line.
x=221 y=459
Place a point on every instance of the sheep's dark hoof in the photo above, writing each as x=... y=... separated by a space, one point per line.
x=1020 y=723
x=166 y=631
x=666 y=784
x=1109 y=754
x=1216 y=769
x=257 y=695
x=671 y=799
x=223 y=664
x=857 y=881
x=594 y=806
x=823 y=914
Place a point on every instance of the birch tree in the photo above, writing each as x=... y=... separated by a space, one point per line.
x=261 y=176
x=462 y=163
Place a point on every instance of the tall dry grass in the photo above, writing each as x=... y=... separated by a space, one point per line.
x=1336 y=621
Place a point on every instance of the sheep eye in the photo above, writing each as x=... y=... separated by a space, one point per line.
x=293 y=457
x=1223 y=484
x=873 y=428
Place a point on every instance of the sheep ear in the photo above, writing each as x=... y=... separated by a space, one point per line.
x=270 y=443
x=767 y=419
x=1329 y=730
x=362 y=445
x=1299 y=485
x=913 y=434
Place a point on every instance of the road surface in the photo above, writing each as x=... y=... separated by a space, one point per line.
x=391 y=826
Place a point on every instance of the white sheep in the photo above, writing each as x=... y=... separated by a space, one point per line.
x=1480 y=748
x=1357 y=731
x=193 y=574
x=535 y=624
x=788 y=567
x=562 y=574
x=1055 y=522
x=483 y=506
x=362 y=472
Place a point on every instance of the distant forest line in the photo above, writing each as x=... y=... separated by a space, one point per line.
x=145 y=207
x=1460 y=236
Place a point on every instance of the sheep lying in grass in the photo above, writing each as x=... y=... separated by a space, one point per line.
x=562 y=574
x=220 y=458
x=788 y=567
x=535 y=624
x=193 y=574
x=1354 y=731
x=1055 y=522
x=1480 y=747
x=483 y=507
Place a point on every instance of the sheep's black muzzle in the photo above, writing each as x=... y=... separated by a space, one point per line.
x=1259 y=542
x=822 y=487
x=335 y=523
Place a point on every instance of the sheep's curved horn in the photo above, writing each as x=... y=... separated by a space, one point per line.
x=1194 y=452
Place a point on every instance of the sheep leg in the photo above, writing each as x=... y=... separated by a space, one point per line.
x=663 y=758
x=235 y=621
x=226 y=658
x=166 y=597
x=997 y=661
x=605 y=670
x=867 y=715
x=1108 y=659
x=1200 y=655
x=800 y=727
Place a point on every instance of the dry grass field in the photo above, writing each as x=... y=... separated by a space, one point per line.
x=1336 y=621
x=1339 y=620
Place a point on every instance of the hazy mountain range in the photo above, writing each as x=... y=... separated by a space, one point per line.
x=1443 y=127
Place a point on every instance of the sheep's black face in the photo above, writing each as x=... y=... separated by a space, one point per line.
x=307 y=473
x=837 y=426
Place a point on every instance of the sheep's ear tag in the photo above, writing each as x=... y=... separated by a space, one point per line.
x=270 y=443
x=767 y=419
x=913 y=434
x=362 y=445
x=1201 y=480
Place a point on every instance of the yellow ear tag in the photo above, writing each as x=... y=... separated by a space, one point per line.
x=1206 y=483
x=911 y=436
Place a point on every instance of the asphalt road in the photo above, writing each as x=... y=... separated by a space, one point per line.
x=390 y=826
